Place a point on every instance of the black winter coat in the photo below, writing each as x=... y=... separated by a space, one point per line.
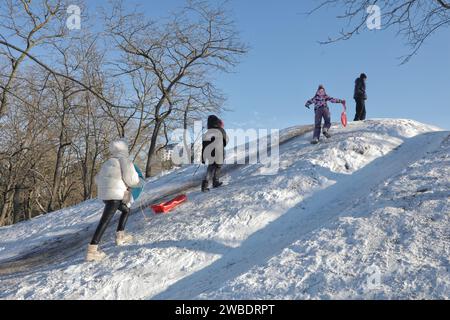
x=360 y=89
x=214 y=123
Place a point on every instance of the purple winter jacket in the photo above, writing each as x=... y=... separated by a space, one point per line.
x=321 y=101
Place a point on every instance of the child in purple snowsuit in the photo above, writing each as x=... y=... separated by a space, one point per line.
x=321 y=109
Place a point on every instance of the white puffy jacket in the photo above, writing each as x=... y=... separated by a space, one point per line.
x=117 y=174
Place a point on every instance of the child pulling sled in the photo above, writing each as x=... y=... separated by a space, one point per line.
x=115 y=180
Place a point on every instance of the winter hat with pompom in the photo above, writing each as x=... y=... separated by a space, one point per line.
x=320 y=87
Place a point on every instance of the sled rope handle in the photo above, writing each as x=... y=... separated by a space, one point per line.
x=141 y=206
x=142 y=211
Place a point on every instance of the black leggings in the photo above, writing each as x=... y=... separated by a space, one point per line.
x=111 y=206
x=360 y=110
x=213 y=172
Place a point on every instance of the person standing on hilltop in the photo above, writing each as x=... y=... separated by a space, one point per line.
x=360 y=97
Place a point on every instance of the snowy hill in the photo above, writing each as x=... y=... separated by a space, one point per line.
x=363 y=215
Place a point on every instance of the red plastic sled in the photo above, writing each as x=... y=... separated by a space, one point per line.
x=344 y=116
x=344 y=119
x=169 y=205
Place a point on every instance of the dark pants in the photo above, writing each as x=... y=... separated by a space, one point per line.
x=360 y=110
x=322 y=112
x=111 y=206
x=213 y=173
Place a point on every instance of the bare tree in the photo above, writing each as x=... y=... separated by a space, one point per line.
x=91 y=133
x=64 y=97
x=31 y=25
x=195 y=42
x=24 y=144
x=416 y=20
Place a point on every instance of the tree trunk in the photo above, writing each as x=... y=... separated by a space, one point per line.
x=28 y=205
x=17 y=204
x=187 y=146
x=56 y=179
x=12 y=75
x=151 y=150
x=6 y=210
x=59 y=157
x=92 y=178
x=85 y=170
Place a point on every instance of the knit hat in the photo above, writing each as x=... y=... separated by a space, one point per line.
x=320 y=87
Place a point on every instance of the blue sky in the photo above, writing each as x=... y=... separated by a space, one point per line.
x=285 y=64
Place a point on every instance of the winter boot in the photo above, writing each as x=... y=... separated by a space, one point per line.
x=315 y=141
x=94 y=254
x=122 y=238
x=217 y=184
x=205 y=186
x=326 y=134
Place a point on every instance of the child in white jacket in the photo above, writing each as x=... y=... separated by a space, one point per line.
x=116 y=177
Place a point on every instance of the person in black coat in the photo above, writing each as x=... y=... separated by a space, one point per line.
x=213 y=152
x=360 y=97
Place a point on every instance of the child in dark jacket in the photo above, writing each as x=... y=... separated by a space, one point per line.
x=321 y=110
x=213 y=152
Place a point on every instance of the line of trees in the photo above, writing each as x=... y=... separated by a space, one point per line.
x=64 y=95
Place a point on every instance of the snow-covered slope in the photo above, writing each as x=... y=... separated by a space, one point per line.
x=363 y=215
